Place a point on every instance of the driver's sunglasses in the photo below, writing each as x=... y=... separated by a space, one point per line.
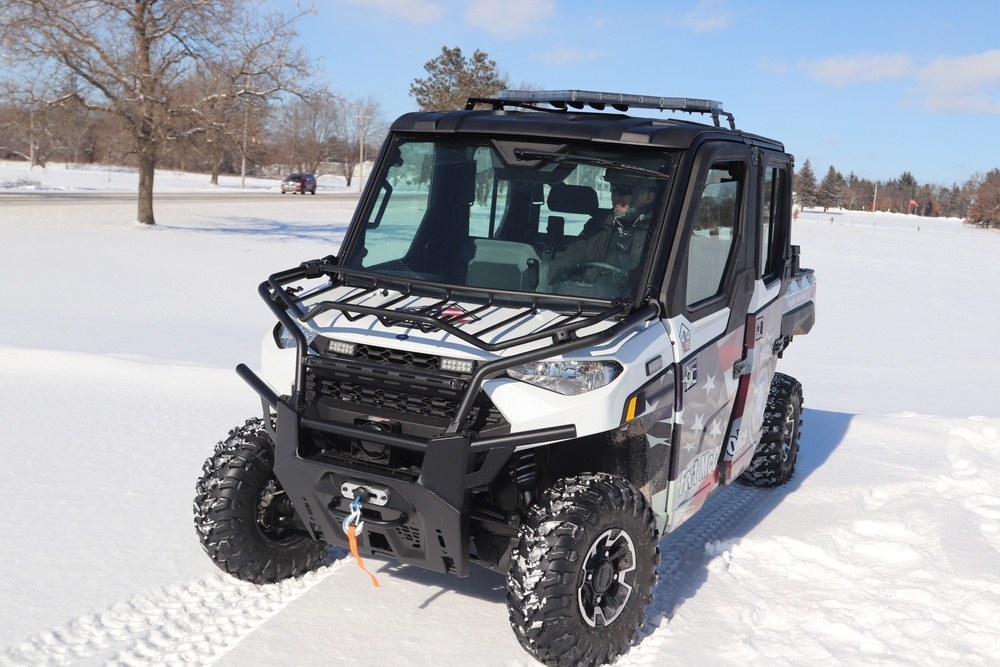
x=621 y=190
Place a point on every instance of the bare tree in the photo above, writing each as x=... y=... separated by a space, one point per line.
x=323 y=127
x=132 y=58
x=39 y=110
x=304 y=126
x=985 y=209
x=360 y=128
x=262 y=62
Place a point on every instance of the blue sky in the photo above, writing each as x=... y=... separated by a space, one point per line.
x=877 y=88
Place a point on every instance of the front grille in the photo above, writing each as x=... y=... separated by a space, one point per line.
x=385 y=355
x=360 y=384
x=380 y=397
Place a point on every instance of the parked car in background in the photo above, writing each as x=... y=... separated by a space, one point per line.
x=301 y=183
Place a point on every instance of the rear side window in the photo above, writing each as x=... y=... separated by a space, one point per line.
x=775 y=219
x=712 y=240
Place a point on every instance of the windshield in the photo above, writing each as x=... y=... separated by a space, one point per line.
x=514 y=216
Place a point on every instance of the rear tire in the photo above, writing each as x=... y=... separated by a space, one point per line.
x=244 y=518
x=774 y=461
x=582 y=575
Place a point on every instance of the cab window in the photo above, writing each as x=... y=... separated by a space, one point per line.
x=712 y=241
x=775 y=216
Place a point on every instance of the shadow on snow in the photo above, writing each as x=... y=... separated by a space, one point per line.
x=250 y=226
x=733 y=512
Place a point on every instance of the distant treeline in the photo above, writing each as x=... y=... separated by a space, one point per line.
x=904 y=194
x=303 y=134
x=288 y=134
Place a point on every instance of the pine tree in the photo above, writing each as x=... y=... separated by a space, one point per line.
x=828 y=195
x=804 y=185
x=453 y=78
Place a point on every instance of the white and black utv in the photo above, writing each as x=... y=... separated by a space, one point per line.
x=549 y=336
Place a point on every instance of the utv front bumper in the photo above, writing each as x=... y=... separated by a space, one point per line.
x=328 y=451
x=419 y=519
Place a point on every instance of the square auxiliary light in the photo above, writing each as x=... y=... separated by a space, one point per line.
x=341 y=347
x=456 y=365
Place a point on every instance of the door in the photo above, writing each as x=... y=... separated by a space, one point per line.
x=714 y=283
x=771 y=226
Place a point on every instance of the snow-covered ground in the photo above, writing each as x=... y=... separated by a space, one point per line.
x=117 y=344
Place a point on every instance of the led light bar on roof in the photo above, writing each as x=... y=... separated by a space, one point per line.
x=577 y=99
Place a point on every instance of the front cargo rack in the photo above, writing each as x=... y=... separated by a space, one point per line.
x=563 y=100
x=564 y=333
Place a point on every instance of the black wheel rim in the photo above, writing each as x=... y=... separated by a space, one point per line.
x=788 y=434
x=607 y=578
x=275 y=516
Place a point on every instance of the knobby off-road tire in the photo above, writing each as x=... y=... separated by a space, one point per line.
x=582 y=575
x=774 y=461
x=244 y=518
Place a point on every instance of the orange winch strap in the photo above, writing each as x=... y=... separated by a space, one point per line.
x=353 y=539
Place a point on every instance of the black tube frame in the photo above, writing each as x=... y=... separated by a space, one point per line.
x=456 y=462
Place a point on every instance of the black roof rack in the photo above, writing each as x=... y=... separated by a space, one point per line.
x=563 y=100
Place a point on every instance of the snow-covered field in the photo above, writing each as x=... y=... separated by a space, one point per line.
x=117 y=344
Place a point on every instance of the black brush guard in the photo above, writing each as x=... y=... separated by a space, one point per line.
x=422 y=520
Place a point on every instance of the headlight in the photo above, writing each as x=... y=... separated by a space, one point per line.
x=567 y=377
x=284 y=338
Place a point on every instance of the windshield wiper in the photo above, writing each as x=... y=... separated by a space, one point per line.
x=562 y=158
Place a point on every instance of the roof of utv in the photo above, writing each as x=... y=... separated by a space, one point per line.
x=584 y=115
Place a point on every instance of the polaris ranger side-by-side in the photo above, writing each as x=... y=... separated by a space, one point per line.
x=549 y=336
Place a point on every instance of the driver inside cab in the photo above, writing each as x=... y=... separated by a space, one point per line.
x=610 y=254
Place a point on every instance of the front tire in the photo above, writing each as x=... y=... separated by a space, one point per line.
x=582 y=575
x=246 y=522
x=774 y=461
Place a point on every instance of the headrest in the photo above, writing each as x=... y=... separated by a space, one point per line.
x=573 y=199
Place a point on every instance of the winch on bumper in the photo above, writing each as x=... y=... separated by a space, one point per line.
x=397 y=504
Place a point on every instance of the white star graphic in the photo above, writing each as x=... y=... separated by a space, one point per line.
x=699 y=423
x=709 y=384
x=688 y=446
x=716 y=431
x=653 y=442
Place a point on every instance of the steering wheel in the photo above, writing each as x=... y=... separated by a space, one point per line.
x=620 y=274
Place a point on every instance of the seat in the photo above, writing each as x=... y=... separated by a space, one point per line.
x=564 y=198
x=498 y=264
x=573 y=199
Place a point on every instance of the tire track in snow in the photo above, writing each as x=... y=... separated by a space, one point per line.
x=190 y=623
x=683 y=552
x=973 y=451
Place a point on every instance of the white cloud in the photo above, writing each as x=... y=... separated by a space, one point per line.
x=962 y=83
x=844 y=70
x=569 y=56
x=709 y=16
x=946 y=84
x=414 y=11
x=772 y=65
x=510 y=18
